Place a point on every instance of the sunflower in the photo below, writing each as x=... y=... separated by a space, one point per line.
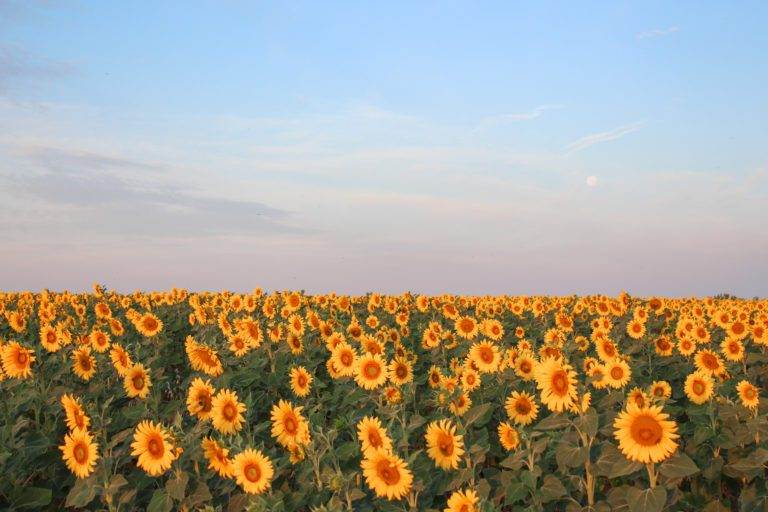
x=200 y=398
x=525 y=365
x=638 y=397
x=466 y=327
x=137 y=381
x=203 y=358
x=152 y=445
x=663 y=346
x=606 y=349
x=289 y=427
x=470 y=379
x=120 y=359
x=238 y=345
x=99 y=340
x=508 y=436
x=344 y=358
x=460 y=404
x=660 y=389
x=399 y=371
x=733 y=349
x=301 y=380
x=253 y=471
x=393 y=395
x=636 y=329
x=372 y=435
x=218 y=458
x=708 y=362
x=435 y=377
x=49 y=338
x=227 y=412
x=83 y=363
x=699 y=387
x=370 y=371
x=645 y=434
x=748 y=394
x=17 y=360
x=462 y=501
x=686 y=346
x=486 y=356
x=521 y=408
x=444 y=446
x=493 y=329
x=557 y=382
x=75 y=415
x=617 y=373
x=80 y=452
x=387 y=474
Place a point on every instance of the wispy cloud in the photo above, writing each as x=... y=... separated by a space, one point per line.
x=597 y=138
x=658 y=32
x=514 y=118
x=18 y=64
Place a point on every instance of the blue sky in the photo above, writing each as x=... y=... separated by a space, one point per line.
x=472 y=147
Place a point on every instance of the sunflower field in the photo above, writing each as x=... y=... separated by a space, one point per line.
x=286 y=401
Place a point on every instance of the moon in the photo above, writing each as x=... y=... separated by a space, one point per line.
x=591 y=181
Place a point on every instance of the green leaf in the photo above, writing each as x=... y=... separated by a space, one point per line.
x=479 y=414
x=82 y=493
x=622 y=467
x=648 y=500
x=175 y=487
x=160 y=502
x=515 y=491
x=678 y=466
x=551 y=489
x=570 y=455
x=552 y=422
x=33 y=497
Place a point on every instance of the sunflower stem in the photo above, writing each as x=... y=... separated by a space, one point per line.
x=651 y=467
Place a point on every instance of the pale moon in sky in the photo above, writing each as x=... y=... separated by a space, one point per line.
x=591 y=181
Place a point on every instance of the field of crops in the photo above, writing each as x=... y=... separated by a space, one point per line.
x=285 y=401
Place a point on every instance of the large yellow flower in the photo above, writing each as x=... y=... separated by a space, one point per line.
x=372 y=435
x=120 y=359
x=99 y=340
x=387 y=474
x=80 y=452
x=508 y=436
x=75 y=415
x=660 y=389
x=748 y=394
x=17 y=360
x=370 y=371
x=253 y=471
x=466 y=327
x=462 y=501
x=49 y=338
x=557 y=382
x=203 y=358
x=486 y=356
x=152 y=446
x=400 y=371
x=149 y=325
x=344 y=359
x=521 y=408
x=137 y=382
x=645 y=434
x=218 y=458
x=227 y=412
x=301 y=380
x=289 y=426
x=525 y=365
x=708 y=361
x=200 y=398
x=83 y=363
x=699 y=387
x=444 y=446
x=617 y=373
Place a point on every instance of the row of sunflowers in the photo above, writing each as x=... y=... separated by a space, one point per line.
x=286 y=401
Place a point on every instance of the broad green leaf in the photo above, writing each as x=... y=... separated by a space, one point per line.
x=82 y=493
x=647 y=500
x=160 y=502
x=551 y=489
x=33 y=497
x=678 y=466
